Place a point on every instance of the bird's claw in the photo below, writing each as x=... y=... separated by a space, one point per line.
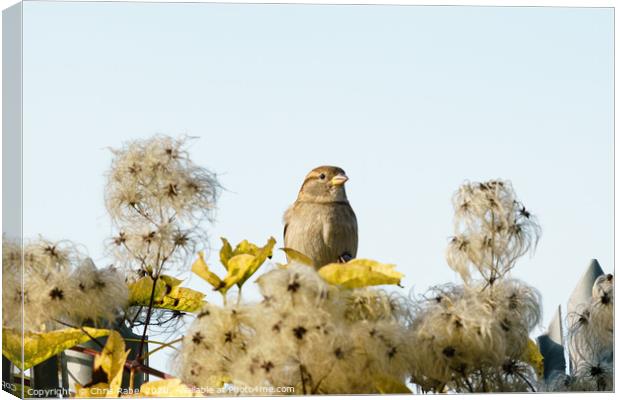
x=345 y=258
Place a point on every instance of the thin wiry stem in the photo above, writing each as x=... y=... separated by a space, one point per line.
x=133 y=320
x=148 y=318
x=94 y=339
x=128 y=364
x=163 y=346
x=520 y=375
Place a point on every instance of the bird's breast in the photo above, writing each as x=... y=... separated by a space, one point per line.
x=322 y=231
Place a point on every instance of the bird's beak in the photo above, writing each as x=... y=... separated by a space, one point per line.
x=339 y=180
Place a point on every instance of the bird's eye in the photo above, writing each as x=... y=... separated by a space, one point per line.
x=322 y=176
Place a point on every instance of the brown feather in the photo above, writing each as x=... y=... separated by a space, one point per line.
x=321 y=223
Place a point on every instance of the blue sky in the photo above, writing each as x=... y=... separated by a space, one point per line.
x=411 y=101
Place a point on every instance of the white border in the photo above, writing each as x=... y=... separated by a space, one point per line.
x=503 y=3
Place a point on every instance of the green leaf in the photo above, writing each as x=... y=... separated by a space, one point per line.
x=40 y=346
x=360 y=273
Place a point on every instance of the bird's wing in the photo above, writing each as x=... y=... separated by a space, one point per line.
x=340 y=231
x=353 y=234
x=286 y=219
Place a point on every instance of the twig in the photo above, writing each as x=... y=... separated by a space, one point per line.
x=471 y=388
x=132 y=373
x=148 y=341
x=142 y=259
x=148 y=318
x=133 y=320
x=303 y=380
x=525 y=380
x=83 y=330
x=128 y=364
x=143 y=214
x=239 y=296
x=163 y=346
x=318 y=384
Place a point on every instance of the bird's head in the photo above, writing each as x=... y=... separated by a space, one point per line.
x=324 y=184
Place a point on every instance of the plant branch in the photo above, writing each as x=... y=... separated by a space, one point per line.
x=133 y=320
x=520 y=375
x=83 y=330
x=163 y=346
x=148 y=318
x=128 y=364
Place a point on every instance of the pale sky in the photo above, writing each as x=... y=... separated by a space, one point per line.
x=410 y=100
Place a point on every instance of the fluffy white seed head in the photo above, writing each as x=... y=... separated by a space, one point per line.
x=60 y=286
x=306 y=334
x=492 y=229
x=458 y=331
x=157 y=198
x=590 y=334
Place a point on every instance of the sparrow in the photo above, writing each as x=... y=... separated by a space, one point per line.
x=321 y=223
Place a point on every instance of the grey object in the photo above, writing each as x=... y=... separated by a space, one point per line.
x=551 y=345
x=12 y=121
x=44 y=383
x=582 y=294
x=12 y=380
x=583 y=291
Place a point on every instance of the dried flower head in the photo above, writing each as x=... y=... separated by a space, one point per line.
x=492 y=230
x=157 y=197
x=591 y=337
x=300 y=336
x=60 y=286
x=463 y=333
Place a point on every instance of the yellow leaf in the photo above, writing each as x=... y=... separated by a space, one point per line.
x=532 y=356
x=360 y=273
x=168 y=294
x=40 y=346
x=165 y=388
x=243 y=262
x=140 y=291
x=246 y=247
x=238 y=267
x=96 y=390
x=182 y=299
x=388 y=385
x=218 y=380
x=170 y=282
x=226 y=253
x=16 y=389
x=201 y=269
x=297 y=256
x=261 y=254
x=111 y=361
